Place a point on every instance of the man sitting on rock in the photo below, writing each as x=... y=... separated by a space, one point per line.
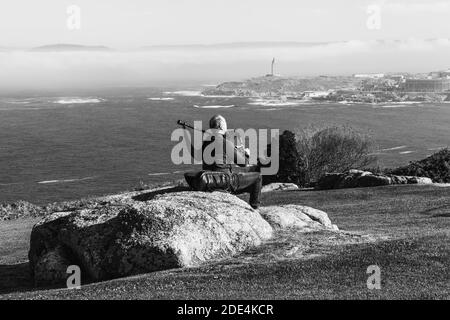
x=239 y=177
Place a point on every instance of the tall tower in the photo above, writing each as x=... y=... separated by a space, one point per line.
x=273 y=63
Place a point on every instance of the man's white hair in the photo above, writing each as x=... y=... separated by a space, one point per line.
x=218 y=122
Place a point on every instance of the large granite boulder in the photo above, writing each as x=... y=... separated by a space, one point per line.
x=360 y=179
x=138 y=235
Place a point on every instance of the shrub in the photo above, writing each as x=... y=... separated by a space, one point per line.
x=332 y=149
x=436 y=167
x=310 y=153
x=289 y=170
x=10 y=211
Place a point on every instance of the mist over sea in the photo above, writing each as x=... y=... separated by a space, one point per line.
x=70 y=144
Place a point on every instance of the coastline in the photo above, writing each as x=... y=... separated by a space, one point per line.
x=323 y=89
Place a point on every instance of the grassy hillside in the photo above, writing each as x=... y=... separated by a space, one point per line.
x=409 y=227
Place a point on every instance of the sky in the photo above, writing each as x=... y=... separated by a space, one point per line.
x=348 y=32
x=127 y=24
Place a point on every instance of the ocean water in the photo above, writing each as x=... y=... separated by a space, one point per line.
x=67 y=145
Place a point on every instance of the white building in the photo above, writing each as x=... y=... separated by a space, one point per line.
x=369 y=75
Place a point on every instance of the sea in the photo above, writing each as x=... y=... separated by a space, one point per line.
x=57 y=146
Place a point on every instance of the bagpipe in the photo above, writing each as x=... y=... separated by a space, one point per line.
x=238 y=145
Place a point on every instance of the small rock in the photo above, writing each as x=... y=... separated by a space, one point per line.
x=359 y=179
x=295 y=216
x=278 y=186
x=419 y=180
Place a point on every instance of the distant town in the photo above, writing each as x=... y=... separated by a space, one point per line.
x=358 y=88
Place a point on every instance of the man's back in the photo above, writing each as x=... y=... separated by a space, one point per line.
x=223 y=152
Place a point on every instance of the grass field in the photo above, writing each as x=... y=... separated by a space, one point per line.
x=405 y=230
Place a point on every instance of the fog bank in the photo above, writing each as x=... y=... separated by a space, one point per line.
x=25 y=69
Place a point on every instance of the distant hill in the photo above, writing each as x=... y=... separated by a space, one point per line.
x=68 y=48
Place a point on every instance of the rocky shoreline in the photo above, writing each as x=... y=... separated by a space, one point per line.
x=321 y=89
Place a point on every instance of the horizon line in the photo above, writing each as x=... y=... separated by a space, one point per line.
x=215 y=44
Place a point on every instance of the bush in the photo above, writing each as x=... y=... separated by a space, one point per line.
x=332 y=149
x=10 y=211
x=436 y=167
x=306 y=156
x=289 y=170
